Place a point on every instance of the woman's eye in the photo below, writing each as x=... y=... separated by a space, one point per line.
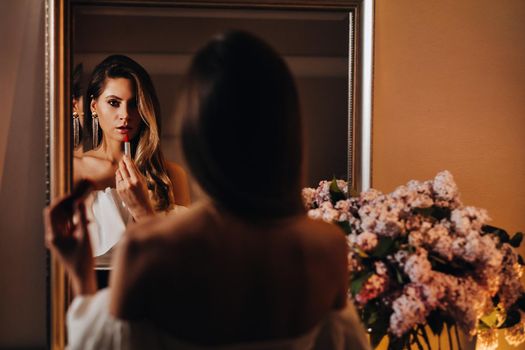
x=114 y=103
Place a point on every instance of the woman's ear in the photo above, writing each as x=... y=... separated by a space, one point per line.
x=93 y=105
x=76 y=105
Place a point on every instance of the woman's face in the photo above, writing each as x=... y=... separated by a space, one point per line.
x=117 y=111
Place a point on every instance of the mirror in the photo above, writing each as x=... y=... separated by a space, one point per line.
x=327 y=47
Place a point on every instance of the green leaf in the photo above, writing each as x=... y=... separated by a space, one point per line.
x=491 y=319
x=383 y=247
x=512 y=319
x=515 y=241
x=345 y=225
x=335 y=192
x=360 y=252
x=399 y=276
x=357 y=283
x=435 y=212
x=372 y=318
x=521 y=302
x=502 y=234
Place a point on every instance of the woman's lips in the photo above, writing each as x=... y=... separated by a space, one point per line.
x=124 y=129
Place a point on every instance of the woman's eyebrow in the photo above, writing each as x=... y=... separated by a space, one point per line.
x=115 y=97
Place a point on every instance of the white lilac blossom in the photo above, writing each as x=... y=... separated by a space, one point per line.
x=511 y=273
x=408 y=310
x=467 y=302
x=468 y=219
x=417 y=267
x=487 y=340
x=308 y=194
x=367 y=241
x=422 y=251
x=445 y=190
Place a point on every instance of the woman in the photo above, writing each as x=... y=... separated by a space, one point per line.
x=244 y=268
x=122 y=105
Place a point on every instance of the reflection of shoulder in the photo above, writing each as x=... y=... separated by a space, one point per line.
x=176 y=172
x=99 y=170
x=179 y=180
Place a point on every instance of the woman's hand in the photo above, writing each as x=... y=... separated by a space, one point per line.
x=67 y=237
x=131 y=186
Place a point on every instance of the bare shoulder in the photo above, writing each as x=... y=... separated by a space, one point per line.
x=321 y=241
x=161 y=232
x=329 y=234
x=179 y=179
x=90 y=166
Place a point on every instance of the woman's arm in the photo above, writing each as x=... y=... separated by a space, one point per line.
x=67 y=237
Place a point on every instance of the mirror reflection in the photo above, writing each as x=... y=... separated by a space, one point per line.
x=122 y=155
x=131 y=75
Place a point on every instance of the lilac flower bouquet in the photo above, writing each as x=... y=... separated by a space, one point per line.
x=419 y=259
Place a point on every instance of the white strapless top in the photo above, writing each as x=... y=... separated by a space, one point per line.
x=108 y=219
x=90 y=326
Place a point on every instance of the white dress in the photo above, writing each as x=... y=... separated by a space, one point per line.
x=90 y=326
x=108 y=219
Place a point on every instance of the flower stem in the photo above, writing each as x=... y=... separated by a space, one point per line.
x=450 y=343
x=415 y=338
x=457 y=336
x=425 y=336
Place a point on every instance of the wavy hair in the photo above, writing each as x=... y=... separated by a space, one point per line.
x=145 y=147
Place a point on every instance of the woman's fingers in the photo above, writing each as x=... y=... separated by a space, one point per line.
x=131 y=168
x=123 y=170
x=59 y=215
x=119 y=179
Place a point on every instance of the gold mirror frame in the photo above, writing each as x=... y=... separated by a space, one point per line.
x=59 y=48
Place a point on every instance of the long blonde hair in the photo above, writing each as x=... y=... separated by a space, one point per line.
x=145 y=147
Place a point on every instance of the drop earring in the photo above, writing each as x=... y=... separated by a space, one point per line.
x=76 y=129
x=95 y=126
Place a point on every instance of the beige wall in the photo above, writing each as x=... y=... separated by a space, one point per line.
x=449 y=93
x=22 y=183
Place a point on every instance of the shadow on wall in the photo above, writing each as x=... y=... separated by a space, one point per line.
x=22 y=175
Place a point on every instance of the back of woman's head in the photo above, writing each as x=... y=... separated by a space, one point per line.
x=241 y=127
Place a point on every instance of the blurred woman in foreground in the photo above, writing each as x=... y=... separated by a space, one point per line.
x=244 y=268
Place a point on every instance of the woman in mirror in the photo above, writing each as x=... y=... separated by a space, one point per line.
x=122 y=106
x=245 y=266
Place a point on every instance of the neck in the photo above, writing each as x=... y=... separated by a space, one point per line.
x=113 y=150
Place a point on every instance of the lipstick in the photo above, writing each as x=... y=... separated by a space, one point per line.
x=127 y=146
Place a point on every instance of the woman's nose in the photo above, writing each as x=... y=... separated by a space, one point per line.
x=124 y=114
